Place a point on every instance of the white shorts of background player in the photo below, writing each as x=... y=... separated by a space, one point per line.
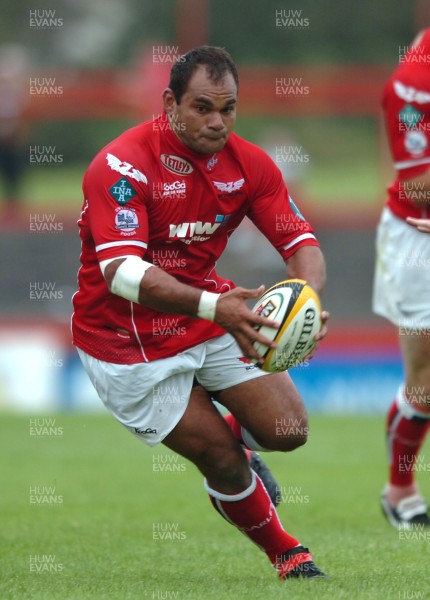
x=401 y=291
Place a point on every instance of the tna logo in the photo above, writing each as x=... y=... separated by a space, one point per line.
x=199 y=231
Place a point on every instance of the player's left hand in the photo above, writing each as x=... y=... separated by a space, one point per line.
x=325 y=316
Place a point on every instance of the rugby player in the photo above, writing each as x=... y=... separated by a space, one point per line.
x=402 y=277
x=152 y=315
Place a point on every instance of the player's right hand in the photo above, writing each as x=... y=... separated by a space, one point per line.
x=234 y=316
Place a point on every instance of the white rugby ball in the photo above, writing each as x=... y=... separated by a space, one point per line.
x=296 y=306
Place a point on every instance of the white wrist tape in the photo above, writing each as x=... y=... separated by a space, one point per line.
x=126 y=281
x=207 y=305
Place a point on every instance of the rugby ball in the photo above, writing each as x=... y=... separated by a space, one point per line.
x=296 y=306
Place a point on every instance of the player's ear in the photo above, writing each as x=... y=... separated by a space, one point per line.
x=169 y=101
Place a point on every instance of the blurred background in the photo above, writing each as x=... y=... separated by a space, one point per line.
x=75 y=74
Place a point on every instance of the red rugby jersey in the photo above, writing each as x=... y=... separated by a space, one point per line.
x=149 y=195
x=406 y=104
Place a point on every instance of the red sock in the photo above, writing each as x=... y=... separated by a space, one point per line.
x=236 y=429
x=253 y=513
x=242 y=435
x=405 y=435
x=235 y=426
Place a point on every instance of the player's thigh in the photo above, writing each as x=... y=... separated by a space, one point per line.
x=268 y=405
x=271 y=409
x=203 y=437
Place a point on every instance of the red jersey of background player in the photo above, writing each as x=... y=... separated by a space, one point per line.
x=406 y=103
x=149 y=195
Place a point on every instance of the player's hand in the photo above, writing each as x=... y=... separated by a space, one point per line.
x=234 y=316
x=325 y=316
x=421 y=224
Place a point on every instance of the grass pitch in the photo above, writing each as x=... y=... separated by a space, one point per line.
x=90 y=513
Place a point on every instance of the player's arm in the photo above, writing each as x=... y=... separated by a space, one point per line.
x=278 y=218
x=308 y=263
x=139 y=281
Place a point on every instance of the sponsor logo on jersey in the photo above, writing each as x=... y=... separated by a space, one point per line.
x=410 y=94
x=124 y=168
x=126 y=221
x=415 y=142
x=174 y=191
x=410 y=116
x=196 y=232
x=176 y=164
x=212 y=162
x=229 y=187
x=122 y=191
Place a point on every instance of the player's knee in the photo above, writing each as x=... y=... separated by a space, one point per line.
x=289 y=433
x=285 y=443
x=294 y=441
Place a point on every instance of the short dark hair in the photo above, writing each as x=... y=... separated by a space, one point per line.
x=217 y=61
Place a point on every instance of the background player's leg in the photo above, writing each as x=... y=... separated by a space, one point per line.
x=408 y=418
x=203 y=436
x=270 y=409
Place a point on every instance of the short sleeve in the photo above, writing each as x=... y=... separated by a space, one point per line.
x=407 y=119
x=116 y=216
x=274 y=212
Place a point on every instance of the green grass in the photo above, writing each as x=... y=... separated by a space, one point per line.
x=100 y=536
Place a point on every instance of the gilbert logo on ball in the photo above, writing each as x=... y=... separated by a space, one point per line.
x=296 y=306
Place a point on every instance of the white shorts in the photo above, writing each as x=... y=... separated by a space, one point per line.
x=149 y=399
x=401 y=291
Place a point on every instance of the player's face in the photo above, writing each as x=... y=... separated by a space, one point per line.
x=206 y=114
